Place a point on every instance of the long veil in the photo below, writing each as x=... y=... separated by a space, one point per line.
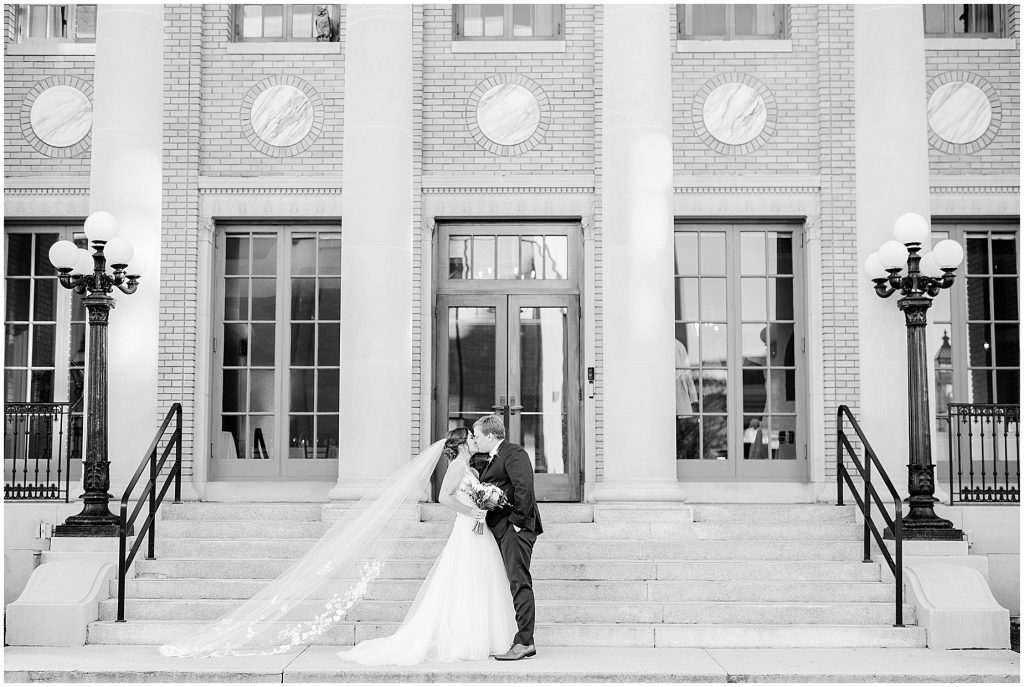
x=322 y=586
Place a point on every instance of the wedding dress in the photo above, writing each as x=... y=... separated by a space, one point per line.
x=463 y=610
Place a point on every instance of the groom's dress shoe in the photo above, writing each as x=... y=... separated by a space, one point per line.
x=516 y=652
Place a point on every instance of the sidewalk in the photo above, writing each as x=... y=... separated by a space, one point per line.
x=556 y=664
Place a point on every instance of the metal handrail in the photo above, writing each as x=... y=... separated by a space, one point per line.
x=149 y=493
x=895 y=523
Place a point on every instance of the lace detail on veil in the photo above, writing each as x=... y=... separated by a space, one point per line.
x=363 y=540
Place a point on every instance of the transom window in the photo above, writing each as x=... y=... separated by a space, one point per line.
x=508 y=22
x=490 y=256
x=970 y=21
x=287 y=22
x=730 y=22
x=56 y=23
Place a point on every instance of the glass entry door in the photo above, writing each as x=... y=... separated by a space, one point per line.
x=516 y=356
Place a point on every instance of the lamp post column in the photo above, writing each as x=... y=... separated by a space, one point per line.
x=95 y=520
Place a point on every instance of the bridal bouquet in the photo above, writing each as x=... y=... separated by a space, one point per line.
x=487 y=497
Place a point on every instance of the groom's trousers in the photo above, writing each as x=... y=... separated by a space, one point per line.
x=516 y=551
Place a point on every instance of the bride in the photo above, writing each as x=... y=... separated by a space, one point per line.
x=463 y=610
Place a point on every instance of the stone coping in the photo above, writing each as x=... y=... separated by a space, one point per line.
x=555 y=664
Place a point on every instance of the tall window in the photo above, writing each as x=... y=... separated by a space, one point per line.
x=287 y=22
x=974 y=330
x=738 y=344
x=508 y=22
x=280 y=352
x=57 y=23
x=970 y=21
x=731 y=22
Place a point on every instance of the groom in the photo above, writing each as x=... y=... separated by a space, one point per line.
x=515 y=526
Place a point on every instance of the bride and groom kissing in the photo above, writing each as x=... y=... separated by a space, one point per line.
x=476 y=601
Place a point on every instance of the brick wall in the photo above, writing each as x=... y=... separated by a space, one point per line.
x=790 y=76
x=838 y=222
x=598 y=294
x=566 y=78
x=1001 y=70
x=180 y=298
x=227 y=77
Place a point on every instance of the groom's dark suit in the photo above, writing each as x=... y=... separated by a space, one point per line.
x=512 y=471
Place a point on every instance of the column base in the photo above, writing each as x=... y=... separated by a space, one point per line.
x=637 y=490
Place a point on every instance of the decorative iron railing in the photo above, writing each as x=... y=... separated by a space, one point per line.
x=40 y=441
x=148 y=496
x=864 y=470
x=984 y=453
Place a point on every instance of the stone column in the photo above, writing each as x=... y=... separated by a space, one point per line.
x=639 y=358
x=126 y=181
x=892 y=178
x=377 y=222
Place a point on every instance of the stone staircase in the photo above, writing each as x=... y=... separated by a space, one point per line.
x=623 y=575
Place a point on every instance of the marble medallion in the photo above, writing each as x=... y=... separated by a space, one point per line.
x=282 y=115
x=735 y=113
x=61 y=116
x=508 y=114
x=959 y=112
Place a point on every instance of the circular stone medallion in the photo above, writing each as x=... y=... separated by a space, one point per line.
x=959 y=112
x=735 y=113
x=282 y=115
x=61 y=116
x=508 y=114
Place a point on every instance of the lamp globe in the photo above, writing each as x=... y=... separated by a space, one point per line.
x=893 y=255
x=873 y=268
x=948 y=253
x=911 y=228
x=118 y=251
x=63 y=255
x=85 y=264
x=100 y=226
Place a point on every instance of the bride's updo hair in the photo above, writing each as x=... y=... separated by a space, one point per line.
x=456 y=438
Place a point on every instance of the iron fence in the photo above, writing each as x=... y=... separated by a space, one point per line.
x=40 y=441
x=984 y=445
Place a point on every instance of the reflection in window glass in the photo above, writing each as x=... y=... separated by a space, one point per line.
x=508 y=22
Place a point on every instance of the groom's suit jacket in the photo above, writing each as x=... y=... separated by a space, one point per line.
x=511 y=471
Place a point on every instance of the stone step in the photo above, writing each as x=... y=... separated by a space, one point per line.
x=798 y=531
x=773 y=512
x=598 y=570
x=196 y=510
x=232 y=591
x=589 y=634
x=550 y=512
x=545 y=549
x=554 y=611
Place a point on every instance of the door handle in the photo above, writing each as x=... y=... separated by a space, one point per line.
x=501 y=404
x=512 y=405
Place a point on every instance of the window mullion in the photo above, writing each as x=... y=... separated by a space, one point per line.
x=282 y=357
x=734 y=358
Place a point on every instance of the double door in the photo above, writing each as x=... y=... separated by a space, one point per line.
x=516 y=356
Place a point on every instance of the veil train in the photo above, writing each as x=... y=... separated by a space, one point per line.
x=322 y=586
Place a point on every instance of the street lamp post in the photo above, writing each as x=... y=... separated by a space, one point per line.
x=84 y=273
x=924 y=277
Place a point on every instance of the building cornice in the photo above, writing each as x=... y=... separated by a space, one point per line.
x=269 y=185
x=979 y=183
x=747 y=184
x=450 y=185
x=46 y=186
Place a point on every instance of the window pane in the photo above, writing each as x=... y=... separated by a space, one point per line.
x=716 y=437
x=45 y=308
x=330 y=299
x=85 y=20
x=42 y=386
x=755 y=350
x=979 y=345
x=686 y=299
x=263 y=345
x=688 y=348
x=264 y=255
x=236 y=299
x=300 y=437
x=688 y=437
x=327 y=437
x=782 y=341
x=327 y=389
x=753 y=258
x=780 y=253
x=934 y=19
x=19 y=255
x=744 y=24
x=556 y=263
x=18 y=291
x=252 y=21
x=472 y=20
x=713 y=389
x=714 y=20
x=302 y=21
x=262 y=428
x=483 y=257
x=37 y=21
x=755 y=390
x=977 y=255
x=780 y=299
x=264 y=299
x=303 y=344
x=1008 y=386
x=1007 y=345
x=236 y=345
x=304 y=255
x=329 y=260
x=15 y=386
x=981 y=386
x=236 y=253
x=531 y=256
x=235 y=394
x=977 y=298
x=45 y=268
x=713 y=345
x=1004 y=254
x=508 y=257
x=273 y=21
x=754 y=293
x=459 y=258
x=261 y=393
x=16 y=345
x=522 y=20
x=686 y=253
x=545 y=20
x=328 y=344
x=303 y=299
x=494 y=19
x=712 y=300
x=712 y=253
x=303 y=389
x=1004 y=298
